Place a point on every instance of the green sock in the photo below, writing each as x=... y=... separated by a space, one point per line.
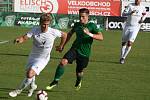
x=59 y=72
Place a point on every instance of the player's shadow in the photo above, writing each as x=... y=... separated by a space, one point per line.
x=55 y=58
x=101 y=61
x=91 y=60
x=10 y=54
x=6 y=91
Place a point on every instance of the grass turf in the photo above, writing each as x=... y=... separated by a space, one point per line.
x=104 y=79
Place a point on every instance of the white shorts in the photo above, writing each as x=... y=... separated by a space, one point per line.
x=37 y=64
x=130 y=33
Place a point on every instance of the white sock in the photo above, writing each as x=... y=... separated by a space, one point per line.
x=127 y=50
x=33 y=81
x=25 y=83
x=123 y=50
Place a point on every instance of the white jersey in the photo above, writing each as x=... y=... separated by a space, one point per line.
x=133 y=20
x=42 y=41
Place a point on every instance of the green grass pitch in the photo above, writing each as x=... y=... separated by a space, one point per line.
x=104 y=79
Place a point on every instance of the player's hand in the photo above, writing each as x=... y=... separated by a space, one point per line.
x=133 y=12
x=143 y=14
x=86 y=31
x=59 y=48
x=16 y=41
x=141 y=21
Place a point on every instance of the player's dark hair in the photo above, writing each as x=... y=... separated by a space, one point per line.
x=84 y=10
x=45 y=17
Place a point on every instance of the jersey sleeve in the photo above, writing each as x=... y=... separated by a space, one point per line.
x=74 y=27
x=95 y=29
x=30 y=33
x=57 y=33
x=127 y=10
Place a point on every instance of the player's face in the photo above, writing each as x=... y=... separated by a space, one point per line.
x=137 y=2
x=84 y=18
x=44 y=26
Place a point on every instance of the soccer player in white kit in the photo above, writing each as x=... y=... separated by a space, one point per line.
x=136 y=14
x=43 y=38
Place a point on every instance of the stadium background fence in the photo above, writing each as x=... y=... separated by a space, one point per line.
x=62 y=21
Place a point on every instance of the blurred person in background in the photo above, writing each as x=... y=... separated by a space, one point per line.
x=136 y=14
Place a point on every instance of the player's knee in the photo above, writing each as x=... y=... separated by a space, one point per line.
x=30 y=73
x=129 y=43
x=79 y=73
x=64 y=62
x=80 y=70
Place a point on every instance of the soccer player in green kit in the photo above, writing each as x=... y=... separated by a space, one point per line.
x=80 y=50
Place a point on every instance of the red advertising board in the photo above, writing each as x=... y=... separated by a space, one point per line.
x=96 y=7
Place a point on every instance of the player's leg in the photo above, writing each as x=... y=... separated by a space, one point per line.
x=79 y=77
x=127 y=49
x=60 y=69
x=132 y=37
x=31 y=74
x=26 y=82
x=125 y=34
x=59 y=72
x=123 y=48
x=69 y=57
x=82 y=63
x=37 y=67
x=122 y=52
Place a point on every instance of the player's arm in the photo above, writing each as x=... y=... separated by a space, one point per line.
x=98 y=36
x=24 y=37
x=62 y=42
x=69 y=35
x=21 y=39
x=144 y=15
x=127 y=11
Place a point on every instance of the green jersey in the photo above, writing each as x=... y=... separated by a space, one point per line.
x=83 y=41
